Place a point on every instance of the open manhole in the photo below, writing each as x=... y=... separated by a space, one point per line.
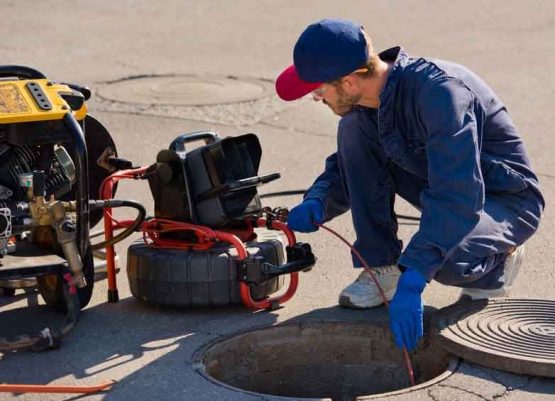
x=333 y=360
x=185 y=90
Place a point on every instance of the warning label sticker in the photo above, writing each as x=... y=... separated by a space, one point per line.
x=11 y=100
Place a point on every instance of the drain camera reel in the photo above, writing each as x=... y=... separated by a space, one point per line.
x=211 y=242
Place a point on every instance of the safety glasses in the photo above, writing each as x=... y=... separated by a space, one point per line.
x=320 y=91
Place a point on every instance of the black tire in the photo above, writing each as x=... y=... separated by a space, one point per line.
x=51 y=287
x=185 y=278
x=97 y=139
x=7 y=292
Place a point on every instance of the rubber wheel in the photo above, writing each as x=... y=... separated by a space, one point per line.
x=51 y=287
x=7 y=292
x=97 y=139
x=186 y=278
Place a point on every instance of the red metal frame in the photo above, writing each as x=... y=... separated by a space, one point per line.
x=293 y=279
x=106 y=191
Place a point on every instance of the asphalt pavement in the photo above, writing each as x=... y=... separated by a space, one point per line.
x=218 y=60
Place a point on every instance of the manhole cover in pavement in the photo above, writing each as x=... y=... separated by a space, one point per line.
x=185 y=90
x=516 y=335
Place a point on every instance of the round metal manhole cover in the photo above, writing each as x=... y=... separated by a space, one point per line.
x=185 y=90
x=516 y=335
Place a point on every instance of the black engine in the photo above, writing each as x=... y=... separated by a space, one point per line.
x=17 y=164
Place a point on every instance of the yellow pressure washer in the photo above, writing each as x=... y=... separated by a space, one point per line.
x=49 y=151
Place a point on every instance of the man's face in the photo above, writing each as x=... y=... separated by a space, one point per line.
x=336 y=98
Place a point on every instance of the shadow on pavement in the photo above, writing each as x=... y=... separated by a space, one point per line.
x=145 y=348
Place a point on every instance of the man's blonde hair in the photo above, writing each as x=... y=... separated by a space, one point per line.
x=372 y=61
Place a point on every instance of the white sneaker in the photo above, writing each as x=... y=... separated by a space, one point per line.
x=512 y=267
x=363 y=293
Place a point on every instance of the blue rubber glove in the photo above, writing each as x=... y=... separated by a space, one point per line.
x=303 y=216
x=406 y=309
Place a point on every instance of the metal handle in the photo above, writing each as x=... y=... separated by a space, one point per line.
x=255 y=270
x=20 y=72
x=85 y=91
x=178 y=144
x=238 y=185
x=269 y=270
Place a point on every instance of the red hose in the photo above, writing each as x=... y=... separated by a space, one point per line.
x=382 y=294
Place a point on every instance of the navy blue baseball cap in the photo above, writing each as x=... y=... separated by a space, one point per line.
x=327 y=50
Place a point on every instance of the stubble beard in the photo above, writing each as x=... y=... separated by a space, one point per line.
x=345 y=103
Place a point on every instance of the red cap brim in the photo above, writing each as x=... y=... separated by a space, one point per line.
x=290 y=87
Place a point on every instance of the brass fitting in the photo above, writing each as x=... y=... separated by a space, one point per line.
x=46 y=213
x=58 y=215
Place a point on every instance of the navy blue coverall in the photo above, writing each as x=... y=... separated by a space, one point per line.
x=442 y=140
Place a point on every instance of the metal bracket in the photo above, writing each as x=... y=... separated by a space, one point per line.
x=40 y=97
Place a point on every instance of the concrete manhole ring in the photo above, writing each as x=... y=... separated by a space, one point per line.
x=323 y=360
x=517 y=335
x=185 y=90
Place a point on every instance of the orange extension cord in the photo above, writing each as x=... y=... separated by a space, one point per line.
x=382 y=294
x=48 y=388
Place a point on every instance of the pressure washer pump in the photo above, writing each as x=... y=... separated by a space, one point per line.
x=211 y=242
x=49 y=148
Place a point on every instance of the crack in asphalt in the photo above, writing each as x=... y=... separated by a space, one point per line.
x=464 y=390
x=508 y=389
x=429 y=392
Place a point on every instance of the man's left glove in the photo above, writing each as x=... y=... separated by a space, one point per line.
x=406 y=309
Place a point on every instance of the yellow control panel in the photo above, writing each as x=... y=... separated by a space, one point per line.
x=35 y=100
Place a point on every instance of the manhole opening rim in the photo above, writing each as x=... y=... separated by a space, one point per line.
x=200 y=368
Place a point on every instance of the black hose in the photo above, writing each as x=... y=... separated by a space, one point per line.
x=283 y=193
x=114 y=203
x=48 y=338
x=303 y=191
x=406 y=217
x=100 y=233
x=95 y=234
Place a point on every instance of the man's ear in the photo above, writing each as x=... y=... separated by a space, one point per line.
x=351 y=84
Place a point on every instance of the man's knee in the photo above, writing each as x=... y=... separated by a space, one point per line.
x=462 y=273
x=450 y=274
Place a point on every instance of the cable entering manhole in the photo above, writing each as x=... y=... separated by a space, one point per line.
x=330 y=360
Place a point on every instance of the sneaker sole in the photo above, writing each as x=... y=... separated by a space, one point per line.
x=345 y=301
